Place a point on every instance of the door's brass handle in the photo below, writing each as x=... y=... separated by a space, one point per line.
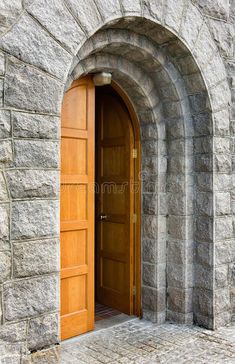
x=103 y=217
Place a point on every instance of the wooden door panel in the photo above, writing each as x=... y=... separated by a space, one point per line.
x=115 y=129
x=114 y=234
x=114 y=200
x=75 y=288
x=77 y=209
x=113 y=161
x=73 y=248
x=73 y=202
x=70 y=323
x=115 y=269
x=73 y=156
x=74 y=112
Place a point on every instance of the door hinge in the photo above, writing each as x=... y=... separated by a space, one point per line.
x=134 y=153
x=134 y=218
x=134 y=291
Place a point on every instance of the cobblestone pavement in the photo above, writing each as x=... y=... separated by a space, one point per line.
x=138 y=341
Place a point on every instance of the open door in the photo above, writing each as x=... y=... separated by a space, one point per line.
x=77 y=209
x=115 y=217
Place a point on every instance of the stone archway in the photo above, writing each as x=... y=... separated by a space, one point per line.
x=181 y=97
x=164 y=105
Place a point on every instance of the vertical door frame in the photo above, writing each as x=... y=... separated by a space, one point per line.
x=137 y=198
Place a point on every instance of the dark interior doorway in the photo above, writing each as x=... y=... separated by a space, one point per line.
x=115 y=206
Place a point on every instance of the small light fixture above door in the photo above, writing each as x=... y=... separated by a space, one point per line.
x=102 y=78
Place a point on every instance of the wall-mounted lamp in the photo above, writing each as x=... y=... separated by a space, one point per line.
x=102 y=78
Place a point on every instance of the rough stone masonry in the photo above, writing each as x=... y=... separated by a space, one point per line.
x=175 y=60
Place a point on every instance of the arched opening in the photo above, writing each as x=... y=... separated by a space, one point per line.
x=100 y=207
x=168 y=93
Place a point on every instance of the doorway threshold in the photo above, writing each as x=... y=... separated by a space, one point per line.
x=101 y=326
x=112 y=321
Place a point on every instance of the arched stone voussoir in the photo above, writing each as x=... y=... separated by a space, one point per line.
x=168 y=81
x=108 y=38
x=220 y=95
x=215 y=71
x=191 y=24
x=174 y=12
x=190 y=27
x=58 y=20
x=10 y=12
x=153 y=9
x=86 y=13
x=118 y=63
x=143 y=52
x=131 y=7
x=144 y=101
x=109 y=8
x=30 y=43
x=204 y=48
x=187 y=37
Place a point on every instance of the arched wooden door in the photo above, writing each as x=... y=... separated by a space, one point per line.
x=77 y=209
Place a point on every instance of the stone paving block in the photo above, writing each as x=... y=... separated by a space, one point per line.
x=150 y=343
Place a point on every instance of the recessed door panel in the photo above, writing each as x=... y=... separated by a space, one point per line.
x=73 y=247
x=115 y=269
x=108 y=131
x=74 y=112
x=73 y=155
x=74 y=201
x=114 y=199
x=75 y=288
x=113 y=236
x=112 y=161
